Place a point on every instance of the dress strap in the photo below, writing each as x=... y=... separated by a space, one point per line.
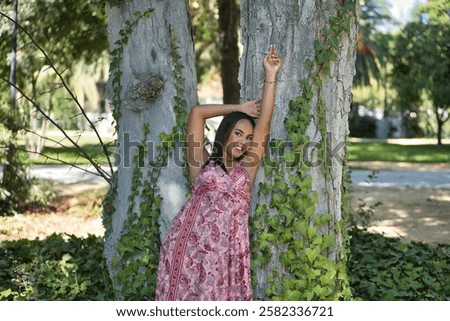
x=206 y=163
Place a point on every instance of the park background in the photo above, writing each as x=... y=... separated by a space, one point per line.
x=44 y=237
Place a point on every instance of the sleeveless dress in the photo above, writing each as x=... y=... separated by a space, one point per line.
x=206 y=254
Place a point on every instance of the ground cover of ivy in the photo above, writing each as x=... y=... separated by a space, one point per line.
x=54 y=269
x=388 y=269
x=58 y=268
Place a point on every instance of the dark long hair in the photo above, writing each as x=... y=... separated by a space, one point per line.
x=223 y=133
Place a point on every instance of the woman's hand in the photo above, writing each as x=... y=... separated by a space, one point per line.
x=251 y=108
x=271 y=63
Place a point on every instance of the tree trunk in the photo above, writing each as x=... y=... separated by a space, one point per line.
x=152 y=81
x=15 y=171
x=229 y=51
x=440 y=124
x=298 y=231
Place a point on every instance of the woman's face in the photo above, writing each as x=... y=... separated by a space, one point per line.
x=240 y=139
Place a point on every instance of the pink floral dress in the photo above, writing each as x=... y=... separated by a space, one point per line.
x=206 y=254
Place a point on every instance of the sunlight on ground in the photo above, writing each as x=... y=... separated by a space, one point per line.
x=416 y=215
x=77 y=212
x=32 y=226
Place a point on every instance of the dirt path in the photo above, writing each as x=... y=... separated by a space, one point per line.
x=413 y=214
x=76 y=212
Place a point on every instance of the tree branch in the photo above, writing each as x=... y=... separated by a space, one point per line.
x=101 y=172
x=72 y=95
x=96 y=173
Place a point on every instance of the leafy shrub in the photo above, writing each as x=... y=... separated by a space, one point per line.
x=54 y=269
x=40 y=193
x=362 y=126
x=387 y=269
x=380 y=268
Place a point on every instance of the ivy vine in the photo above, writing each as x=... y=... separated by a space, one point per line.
x=178 y=135
x=116 y=59
x=114 y=3
x=288 y=228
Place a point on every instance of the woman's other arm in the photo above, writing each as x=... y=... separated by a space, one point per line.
x=197 y=154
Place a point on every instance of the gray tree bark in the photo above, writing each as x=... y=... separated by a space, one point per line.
x=294 y=26
x=148 y=91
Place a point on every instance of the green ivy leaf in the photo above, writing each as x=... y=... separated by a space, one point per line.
x=311 y=254
x=293 y=295
x=288 y=214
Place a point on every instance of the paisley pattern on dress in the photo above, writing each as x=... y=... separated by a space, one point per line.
x=206 y=254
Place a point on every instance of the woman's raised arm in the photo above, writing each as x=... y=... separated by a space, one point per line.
x=255 y=153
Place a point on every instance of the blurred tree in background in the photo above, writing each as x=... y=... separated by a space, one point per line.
x=421 y=71
x=402 y=72
x=205 y=24
x=374 y=13
x=370 y=63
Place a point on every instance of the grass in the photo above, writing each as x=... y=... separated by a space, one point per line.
x=55 y=154
x=387 y=152
x=70 y=155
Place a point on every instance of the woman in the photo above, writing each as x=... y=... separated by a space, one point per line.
x=206 y=253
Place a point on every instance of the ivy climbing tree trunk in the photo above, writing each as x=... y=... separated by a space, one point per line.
x=297 y=220
x=151 y=84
